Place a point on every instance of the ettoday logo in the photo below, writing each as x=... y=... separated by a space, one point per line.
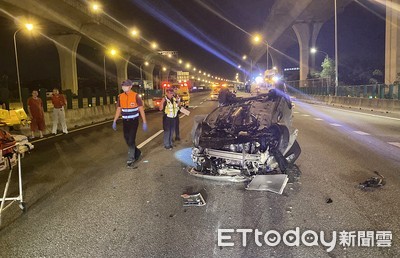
x=295 y=238
x=274 y=238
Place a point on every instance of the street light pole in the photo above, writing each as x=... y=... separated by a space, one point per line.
x=105 y=73
x=251 y=68
x=336 y=54
x=267 y=56
x=17 y=66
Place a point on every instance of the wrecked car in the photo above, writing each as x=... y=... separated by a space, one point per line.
x=250 y=136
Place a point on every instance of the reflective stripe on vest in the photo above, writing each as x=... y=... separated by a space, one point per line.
x=128 y=104
x=171 y=109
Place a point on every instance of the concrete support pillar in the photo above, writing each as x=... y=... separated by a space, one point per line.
x=121 y=63
x=66 y=47
x=148 y=73
x=303 y=34
x=392 y=48
x=316 y=27
x=307 y=34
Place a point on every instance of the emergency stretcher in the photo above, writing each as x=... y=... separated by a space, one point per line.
x=10 y=158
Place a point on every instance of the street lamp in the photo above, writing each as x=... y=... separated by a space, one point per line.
x=112 y=52
x=95 y=7
x=135 y=32
x=314 y=51
x=29 y=27
x=154 y=45
x=257 y=39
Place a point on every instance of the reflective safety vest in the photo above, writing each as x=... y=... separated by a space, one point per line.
x=171 y=108
x=128 y=105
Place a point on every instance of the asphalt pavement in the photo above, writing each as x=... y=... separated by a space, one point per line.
x=83 y=202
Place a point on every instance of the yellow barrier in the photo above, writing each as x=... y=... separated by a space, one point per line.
x=15 y=117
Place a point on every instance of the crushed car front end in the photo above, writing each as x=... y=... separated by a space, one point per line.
x=249 y=137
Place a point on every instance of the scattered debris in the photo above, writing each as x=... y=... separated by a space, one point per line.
x=328 y=200
x=193 y=200
x=272 y=183
x=172 y=215
x=373 y=182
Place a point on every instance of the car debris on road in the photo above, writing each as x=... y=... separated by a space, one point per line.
x=193 y=200
x=373 y=182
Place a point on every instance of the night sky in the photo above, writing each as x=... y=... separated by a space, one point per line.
x=209 y=42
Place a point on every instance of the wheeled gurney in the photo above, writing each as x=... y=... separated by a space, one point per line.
x=10 y=157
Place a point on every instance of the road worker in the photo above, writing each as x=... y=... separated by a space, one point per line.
x=130 y=105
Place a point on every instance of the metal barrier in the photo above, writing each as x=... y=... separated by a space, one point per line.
x=321 y=86
x=324 y=87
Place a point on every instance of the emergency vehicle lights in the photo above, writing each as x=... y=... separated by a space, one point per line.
x=275 y=78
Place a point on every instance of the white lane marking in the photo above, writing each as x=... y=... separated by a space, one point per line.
x=71 y=131
x=295 y=112
x=397 y=144
x=335 y=124
x=194 y=107
x=305 y=115
x=201 y=103
x=181 y=116
x=361 y=132
x=149 y=139
x=319 y=119
x=360 y=113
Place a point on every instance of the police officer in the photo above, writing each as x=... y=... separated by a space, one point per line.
x=130 y=105
x=170 y=106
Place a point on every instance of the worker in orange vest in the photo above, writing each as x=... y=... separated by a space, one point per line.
x=130 y=105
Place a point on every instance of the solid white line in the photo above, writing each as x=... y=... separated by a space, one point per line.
x=397 y=144
x=74 y=130
x=360 y=113
x=361 y=132
x=336 y=124
x=319 y=119
x=149 y=139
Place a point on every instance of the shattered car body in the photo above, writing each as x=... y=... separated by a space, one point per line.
x=248 y=137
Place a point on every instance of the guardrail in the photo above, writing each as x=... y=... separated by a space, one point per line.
x=371 y=91
x=84 y=98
